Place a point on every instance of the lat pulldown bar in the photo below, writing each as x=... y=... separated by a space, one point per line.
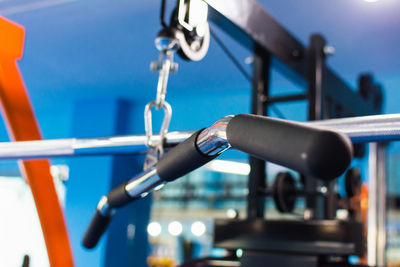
x=312 y=151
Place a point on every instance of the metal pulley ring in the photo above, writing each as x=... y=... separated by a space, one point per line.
x=193 y=46
x=189 y=19
x=149 y=123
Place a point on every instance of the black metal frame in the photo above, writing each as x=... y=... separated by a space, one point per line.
x=260 y=92
x=328 y=96
x=314 y=237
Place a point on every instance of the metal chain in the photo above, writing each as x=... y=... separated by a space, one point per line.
x=165 y=65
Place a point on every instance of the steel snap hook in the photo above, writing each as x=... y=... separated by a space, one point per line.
x=149 y=123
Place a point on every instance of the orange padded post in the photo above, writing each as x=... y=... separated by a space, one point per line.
x=21 y=124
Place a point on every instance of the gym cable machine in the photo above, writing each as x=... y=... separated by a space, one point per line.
x=319 y=241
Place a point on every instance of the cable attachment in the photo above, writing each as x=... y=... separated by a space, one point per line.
x=167 y=44
x=157 y=147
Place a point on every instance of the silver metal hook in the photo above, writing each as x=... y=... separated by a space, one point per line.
x=165 y=65
x=149 y=123
x=162 y=83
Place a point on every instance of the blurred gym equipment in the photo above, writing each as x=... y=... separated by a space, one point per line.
x=318 y=150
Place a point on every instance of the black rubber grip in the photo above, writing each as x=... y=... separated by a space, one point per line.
x=314 y=152
x=96 y=229
x=118 y=197
x=181 y=160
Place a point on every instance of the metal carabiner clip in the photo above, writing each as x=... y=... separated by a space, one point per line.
x=148 y=123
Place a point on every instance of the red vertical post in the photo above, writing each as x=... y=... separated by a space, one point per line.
x=22 y=126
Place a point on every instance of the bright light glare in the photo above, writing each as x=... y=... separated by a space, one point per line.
x=19 y=221
x=154 y=229
x=175 y=228
x=239 y=252
x=228 y=166
x=159 y=187
x=371 y=1
x=198 y=228
x=198 y=12
x=231 y=213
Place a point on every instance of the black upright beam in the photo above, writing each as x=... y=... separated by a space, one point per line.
x=316 y=98
x=316 y=70
x=318 y=109
x=260 y=92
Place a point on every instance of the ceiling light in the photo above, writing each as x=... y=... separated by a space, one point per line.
x=154 y=229
x=198 y=228
x=228 y=166
x=232 y=214
x=239 y=252
x=175 y=228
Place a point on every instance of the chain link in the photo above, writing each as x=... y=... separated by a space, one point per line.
x=165 y=65
x=149 y=123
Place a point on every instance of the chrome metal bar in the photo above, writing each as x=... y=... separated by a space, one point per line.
x=139 y=186
x=213 y=140
x=381 y=205
x=359 y=129
x=86 y=146
x=103 y=207
x=376 y=239
x=366 y=129
x=372 y=208
x=142 y=184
